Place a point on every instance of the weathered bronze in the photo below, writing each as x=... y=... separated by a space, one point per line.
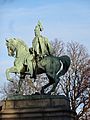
x=36 y=60
x=41 y=46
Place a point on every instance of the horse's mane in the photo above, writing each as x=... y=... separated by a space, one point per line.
x=23 y=43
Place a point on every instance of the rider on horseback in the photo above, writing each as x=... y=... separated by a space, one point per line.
x=41 y=46
x=36 y=60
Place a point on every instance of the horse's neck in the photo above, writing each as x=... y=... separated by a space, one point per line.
x=21 y=50
x=17 y=52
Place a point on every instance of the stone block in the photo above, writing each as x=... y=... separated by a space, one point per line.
x=36 y=107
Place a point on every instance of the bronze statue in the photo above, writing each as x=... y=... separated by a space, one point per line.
x=41 y=46
x=37 y=60
x=20 y=51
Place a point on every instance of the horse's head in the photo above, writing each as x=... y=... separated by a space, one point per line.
x=10 y=43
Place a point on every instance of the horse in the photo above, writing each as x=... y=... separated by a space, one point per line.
x=54 y=67
x=25 y=63
x=18 y=49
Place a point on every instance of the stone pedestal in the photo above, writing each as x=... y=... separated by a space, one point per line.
x=36 y=107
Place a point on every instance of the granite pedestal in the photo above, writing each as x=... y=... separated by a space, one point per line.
x=36 y=107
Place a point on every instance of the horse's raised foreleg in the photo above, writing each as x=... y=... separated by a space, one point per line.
x=10 y=70
x=18 y=66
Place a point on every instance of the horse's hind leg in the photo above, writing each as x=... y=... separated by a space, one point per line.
x=54 y=87
x=44 y=87
x=19 y=85
x=51 y=81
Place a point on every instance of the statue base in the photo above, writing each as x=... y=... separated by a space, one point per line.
x=36 y=107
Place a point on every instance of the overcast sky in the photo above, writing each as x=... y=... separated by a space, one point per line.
x=67 y=20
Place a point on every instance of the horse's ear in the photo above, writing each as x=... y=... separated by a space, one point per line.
x=6 y=40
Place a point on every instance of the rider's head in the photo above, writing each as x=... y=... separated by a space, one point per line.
x=38 y=28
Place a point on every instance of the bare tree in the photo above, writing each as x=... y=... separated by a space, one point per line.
x=18 y=86
x=58 y=47
x=74 y=83
x=7 y=89
x=86 y=110
x=23 y=86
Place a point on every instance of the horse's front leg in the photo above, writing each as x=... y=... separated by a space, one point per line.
x=19 y=86
x=10 y=70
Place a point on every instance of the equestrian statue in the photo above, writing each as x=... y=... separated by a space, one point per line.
x=36 y=60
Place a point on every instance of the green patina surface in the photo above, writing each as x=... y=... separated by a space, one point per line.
x=36 y=60
x=40 y=44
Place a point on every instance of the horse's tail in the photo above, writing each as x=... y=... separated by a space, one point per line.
x=65 y=63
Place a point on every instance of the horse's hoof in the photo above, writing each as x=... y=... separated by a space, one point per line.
x=17 y=92
x=37 y=93
x=49 y=93
x=42 y=91
x=43 y=94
